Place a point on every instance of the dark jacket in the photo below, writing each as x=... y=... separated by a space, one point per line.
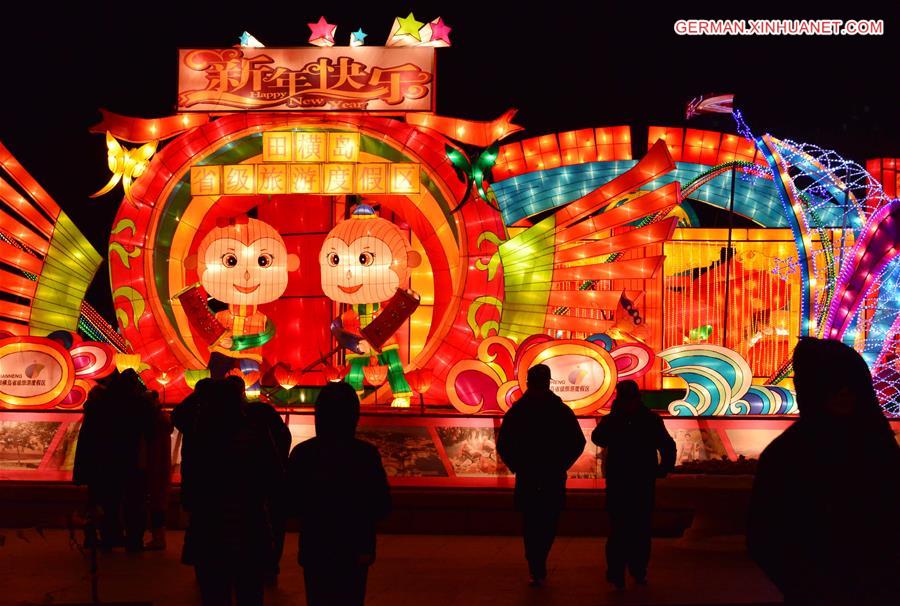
x=274 y=423
x=539 y=440
x=823 y=514
x=638 y=449
x=112 y=441
x=339 y=491
x=184 y=418
x=234 y=470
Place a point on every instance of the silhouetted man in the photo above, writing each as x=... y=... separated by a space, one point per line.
x=539 y=440
x=338 y=491
x=632 y=436
x=827 y=491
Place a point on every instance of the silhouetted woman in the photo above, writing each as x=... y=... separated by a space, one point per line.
x=234 y=469
x=338 y=491
x=827 y=491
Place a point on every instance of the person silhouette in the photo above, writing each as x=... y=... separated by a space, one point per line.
x=338 y=490
x=280 y=435
x=159 y=472
x=110 y=458
x=235 y=468
x=638 y=450
x=822 y=522
x=184 y=418
x=539 y=440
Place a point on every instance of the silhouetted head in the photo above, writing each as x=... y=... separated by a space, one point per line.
x=539 y=377
x=628 y=396
x=236 y=385
x=222 y=405
x=832 y=381
x=129 y=380
x=203 y=388
x=337 y=411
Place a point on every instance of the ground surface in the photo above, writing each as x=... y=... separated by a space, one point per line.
x=418 y=570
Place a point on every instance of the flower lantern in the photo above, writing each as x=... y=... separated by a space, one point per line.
x=375 y=374
x=249 y=378
x=193 y=376
x=335 y=374
x=420 y=381
x=125 y=361
x=288 y=378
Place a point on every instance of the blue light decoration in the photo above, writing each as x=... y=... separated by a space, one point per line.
x=851 y=279
x=532 y=193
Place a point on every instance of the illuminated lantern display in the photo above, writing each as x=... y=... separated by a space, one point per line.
x=365 y=263
x=242 y=262
x=294 y=231
x=248 y=242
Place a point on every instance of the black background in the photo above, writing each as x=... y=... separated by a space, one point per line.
x=564 y=65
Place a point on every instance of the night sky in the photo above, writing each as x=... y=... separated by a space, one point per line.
x=583 y=65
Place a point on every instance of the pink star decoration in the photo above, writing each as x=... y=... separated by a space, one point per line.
x=440 y=30
x=322 y=32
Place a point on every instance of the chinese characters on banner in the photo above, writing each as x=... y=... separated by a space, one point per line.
x=298 y=79
x=304 y=162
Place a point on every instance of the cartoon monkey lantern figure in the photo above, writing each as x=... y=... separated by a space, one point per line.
x=242 y=262
x=365 y=261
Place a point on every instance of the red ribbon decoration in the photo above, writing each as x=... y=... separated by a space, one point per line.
x=472 y=132
x=143 y=130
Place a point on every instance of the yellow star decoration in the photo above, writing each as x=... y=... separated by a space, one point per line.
x=125 y=164
x=410 y=26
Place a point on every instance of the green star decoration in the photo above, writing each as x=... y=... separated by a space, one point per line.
x=410 y=26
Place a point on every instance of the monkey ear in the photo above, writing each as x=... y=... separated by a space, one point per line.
x=413 y=258
x=190 y=262
x=293 y=262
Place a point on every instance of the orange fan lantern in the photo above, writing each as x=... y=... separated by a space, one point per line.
x=375 y=374
x=287 y=377
x=249 y=378
x=334 y=374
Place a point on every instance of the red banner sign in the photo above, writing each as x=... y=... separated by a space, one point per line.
x=306 y=79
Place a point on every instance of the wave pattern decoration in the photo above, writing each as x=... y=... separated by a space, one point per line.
x=719 y=383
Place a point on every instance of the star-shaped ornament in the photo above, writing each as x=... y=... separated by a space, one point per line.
x=322 y=32
x=248 y=40
x=410 y=26
x=440 y=31
x=358 y=37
